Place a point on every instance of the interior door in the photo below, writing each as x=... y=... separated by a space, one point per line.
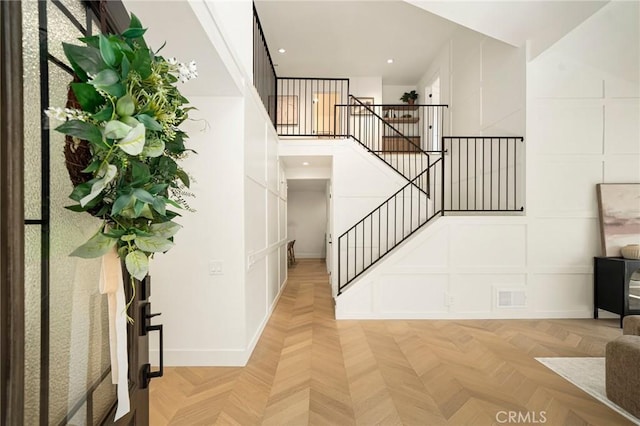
x=326 y=121
x=67 y=362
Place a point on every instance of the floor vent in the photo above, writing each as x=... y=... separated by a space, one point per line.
x=511 y=298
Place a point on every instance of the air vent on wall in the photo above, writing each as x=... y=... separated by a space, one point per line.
x=511 y=298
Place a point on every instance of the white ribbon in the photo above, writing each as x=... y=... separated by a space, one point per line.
x=111 y=284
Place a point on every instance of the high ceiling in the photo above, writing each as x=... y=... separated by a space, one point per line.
x=352 y=38
x=347 y=38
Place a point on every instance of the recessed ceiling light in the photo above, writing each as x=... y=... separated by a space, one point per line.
x=306 y=163
x=389 y=61
x=281 y=50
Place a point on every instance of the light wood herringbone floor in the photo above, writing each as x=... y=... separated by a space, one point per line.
x=310 y=369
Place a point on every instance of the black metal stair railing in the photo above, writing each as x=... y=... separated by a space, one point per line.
x=385 y=136
x=484 y=173
x=391 y=223
x=305 y=106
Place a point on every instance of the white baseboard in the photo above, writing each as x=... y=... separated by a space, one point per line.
x=462 y=316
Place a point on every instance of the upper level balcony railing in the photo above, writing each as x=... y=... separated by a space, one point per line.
x=307 y=106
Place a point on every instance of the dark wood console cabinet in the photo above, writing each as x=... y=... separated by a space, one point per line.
x=613 y=289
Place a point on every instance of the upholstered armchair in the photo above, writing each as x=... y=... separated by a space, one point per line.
x=623 y=367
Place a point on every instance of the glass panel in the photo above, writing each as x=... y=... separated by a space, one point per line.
x=77 y=9
x=79 y=350
x=103 y=398
x=32 y=163
x=32 y=324
x=59 y=30
x=634 y=291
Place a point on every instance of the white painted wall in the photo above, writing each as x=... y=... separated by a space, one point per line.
x=240 y=203
x=370 y=87
x=483 y=82
x=235 y=18
x=583 y=128
x=391 y=94
x=307 y=222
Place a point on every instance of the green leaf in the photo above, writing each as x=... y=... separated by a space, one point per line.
x=122 y=251
x=92 y=41
x=153 y=244
x=76 y=208
x=115 y=233
x=143 y=195
x=137 y=264
x=106 y=51
x=81 y=190
x=182 y=175
x=97 y=187
x=140 y=173
x=146 y=212
x=135 y=22
x=158 y=188
x=170 y=215
x=154 y=148
x=134 y=32
x=84 y=60
x=125 y=106
x=128 y=237
x=142 y=63
x=115 y=129
x=124 y=66
x=137 y=208
x=95 y=165
x=81 y=130
x=149 y=122
x=176 y=146
x=105 y=78
x=133 y=143
x=165 y=229
x=173 y=203
x=159 y=205
x=120 y=203
x=130 y=121
x=87 y=96
x=115 y=90
x=104 y=114
x=96 y=246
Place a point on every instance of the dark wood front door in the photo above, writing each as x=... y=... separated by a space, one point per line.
x=54 y=346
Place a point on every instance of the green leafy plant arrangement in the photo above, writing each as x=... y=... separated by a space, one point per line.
x=128 y=113
x=409 y=97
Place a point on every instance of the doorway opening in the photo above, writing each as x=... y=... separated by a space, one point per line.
x=308 y=218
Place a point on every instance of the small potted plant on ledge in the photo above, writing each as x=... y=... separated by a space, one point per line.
x=409 y=97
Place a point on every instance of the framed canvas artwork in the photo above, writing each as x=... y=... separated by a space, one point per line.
x=288 y=112
x=359 y=109
x=619 y=209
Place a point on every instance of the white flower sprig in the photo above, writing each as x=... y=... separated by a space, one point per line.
x=64 y=114
x=186 y=71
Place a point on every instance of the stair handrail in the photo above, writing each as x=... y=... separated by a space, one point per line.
x=440 y=211
x=375 y=114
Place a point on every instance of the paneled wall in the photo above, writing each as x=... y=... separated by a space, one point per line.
x=583 y=128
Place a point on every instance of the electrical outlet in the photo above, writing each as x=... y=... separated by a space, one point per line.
x=448 y=299
x=215 y=267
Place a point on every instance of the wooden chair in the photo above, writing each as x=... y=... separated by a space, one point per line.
x=291 y=255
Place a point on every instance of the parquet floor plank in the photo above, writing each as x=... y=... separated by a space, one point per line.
x=309 y=369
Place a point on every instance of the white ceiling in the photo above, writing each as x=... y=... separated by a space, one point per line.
x=515 y=22
x=352 y=38
x=326 y=38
